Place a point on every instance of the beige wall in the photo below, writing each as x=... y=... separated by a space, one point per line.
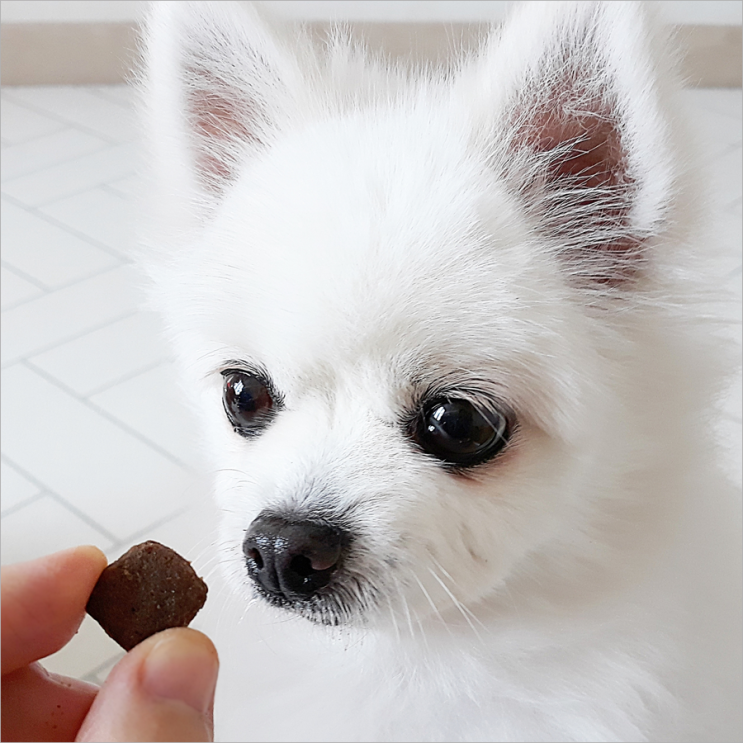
x=92 y=41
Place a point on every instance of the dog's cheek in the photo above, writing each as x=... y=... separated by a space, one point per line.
x=464 y=535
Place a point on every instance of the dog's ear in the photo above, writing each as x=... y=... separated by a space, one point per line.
x=572 y=117
x=217 y=84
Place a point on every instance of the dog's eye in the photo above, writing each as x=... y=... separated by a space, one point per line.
x=458 y=432
x=247 y=402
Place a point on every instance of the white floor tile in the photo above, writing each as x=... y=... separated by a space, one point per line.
x=86 y=652
x=79 y=106
x=193 y=534
x=727 y=230
x=107 y=473
x=720 y=132
x=729 y=186
x=97 y=359
x=102 y=672
x=728 y=101
x=99 y=214
x=45 y=252
x=14 y=289
x=730 y=436
x=124 y=95
x=16 y=488
x=152 y=403
x=19 y=124
x=67 y=313
x=44 y=526
x=127 y=187
x=66 y=179
x=52 y=149
x=731 y=404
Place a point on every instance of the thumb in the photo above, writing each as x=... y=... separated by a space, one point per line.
x=162 y=690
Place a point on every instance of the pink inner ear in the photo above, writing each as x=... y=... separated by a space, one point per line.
x=222 y=125
x=591 y=145
x=581 y=191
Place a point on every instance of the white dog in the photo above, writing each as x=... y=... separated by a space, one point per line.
x=443 y=330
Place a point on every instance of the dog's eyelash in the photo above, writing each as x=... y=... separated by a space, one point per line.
x=260 y=373
x=451 y=452
x=475 y=390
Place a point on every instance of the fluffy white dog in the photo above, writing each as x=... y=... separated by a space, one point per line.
x=443 y=330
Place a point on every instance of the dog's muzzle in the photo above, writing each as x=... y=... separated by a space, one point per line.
x=291 y=560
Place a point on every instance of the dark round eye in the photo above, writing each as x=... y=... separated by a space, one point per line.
x=247 y=402
x=459 y=432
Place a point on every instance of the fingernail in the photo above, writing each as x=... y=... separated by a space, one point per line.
x=182 y=665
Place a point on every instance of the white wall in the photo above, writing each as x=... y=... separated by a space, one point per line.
x=711 y=12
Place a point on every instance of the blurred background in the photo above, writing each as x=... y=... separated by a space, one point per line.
x=96 y=448
x=68 y=42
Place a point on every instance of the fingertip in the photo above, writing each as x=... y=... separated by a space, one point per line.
x=181 y=664
x=78 y=566
x=92 y=554
x=192 y=637
x=84 y=554
x=44 y=602
x=163 y=689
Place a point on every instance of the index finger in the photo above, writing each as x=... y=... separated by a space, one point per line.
x=43 y=603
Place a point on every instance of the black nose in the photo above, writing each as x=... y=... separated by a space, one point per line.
x=291 y=559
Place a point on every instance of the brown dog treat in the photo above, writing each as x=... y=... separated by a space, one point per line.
x=148 y=589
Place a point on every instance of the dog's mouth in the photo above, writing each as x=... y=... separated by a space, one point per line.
x=306 y=567
x=327 y=610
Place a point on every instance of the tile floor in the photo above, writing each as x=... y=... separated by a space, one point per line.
x=94 y=450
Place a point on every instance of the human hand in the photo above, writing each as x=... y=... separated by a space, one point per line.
x=161 y=690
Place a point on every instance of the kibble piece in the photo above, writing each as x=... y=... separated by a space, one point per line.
x=148 y=589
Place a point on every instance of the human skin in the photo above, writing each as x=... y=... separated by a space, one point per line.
x=162 y=690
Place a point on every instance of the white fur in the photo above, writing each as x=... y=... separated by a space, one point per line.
x=380 y=229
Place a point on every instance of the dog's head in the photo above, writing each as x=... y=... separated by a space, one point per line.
x=401 y=301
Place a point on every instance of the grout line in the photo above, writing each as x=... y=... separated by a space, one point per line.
x=112 y=188
x=46 y=491
x=68 y=339
x=84 y=517
x=105 y=414
x=52 y=289
x=18 y=506
x=125 y=378
x=37 y=212
x=27 y=475
x=27 y=277
x=103 y=143
x=56 y=117
x=96 y=91
x=56 y=199
x=142 y=532
x=10 y=463
x=11 y=143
